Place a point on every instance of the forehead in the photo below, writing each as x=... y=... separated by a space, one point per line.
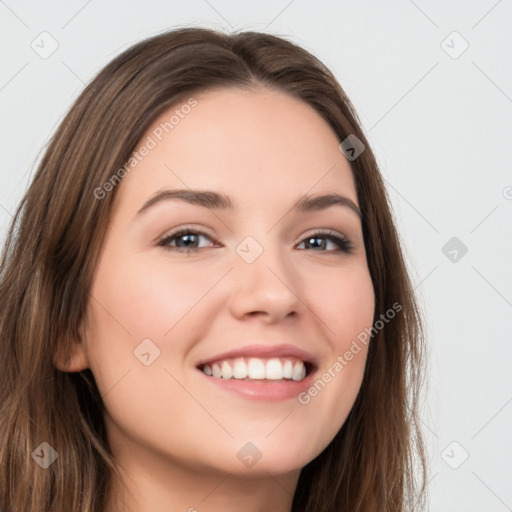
x=254 y=145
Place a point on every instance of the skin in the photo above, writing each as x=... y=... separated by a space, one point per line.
x=174 y=434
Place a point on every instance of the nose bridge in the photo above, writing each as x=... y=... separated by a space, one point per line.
x=263 y=279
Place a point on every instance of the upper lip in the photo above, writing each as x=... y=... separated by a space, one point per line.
x=262 y=351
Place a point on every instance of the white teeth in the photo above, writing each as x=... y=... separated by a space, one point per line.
x=226 y=370
x=257 y=369
x=240 y=369
x=216 y=371
x=273 y=369
x=299 y=371
x=287 y=369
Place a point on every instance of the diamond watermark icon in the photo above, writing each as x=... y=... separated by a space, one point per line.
x=45 y=455
x=455 y=455
x=454 y=45
x=454 y=249
x=249 y=249
x=249 y=455
x=44 y=45
x=146 y=352
x=351 y=147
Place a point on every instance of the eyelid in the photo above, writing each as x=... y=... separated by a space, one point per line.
x=186 y=228
x=323 y=231
x=329 y=233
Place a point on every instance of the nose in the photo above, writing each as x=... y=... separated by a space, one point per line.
x=265 y=288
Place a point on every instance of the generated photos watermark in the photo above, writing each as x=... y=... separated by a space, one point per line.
x=150 y=143
x=343 y=360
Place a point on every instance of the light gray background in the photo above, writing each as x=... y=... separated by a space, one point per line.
x=440 y=126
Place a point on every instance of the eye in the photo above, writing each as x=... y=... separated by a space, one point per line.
x=343 y=244
x=186 y=240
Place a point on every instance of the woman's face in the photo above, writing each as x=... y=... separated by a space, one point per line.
x=265 y=290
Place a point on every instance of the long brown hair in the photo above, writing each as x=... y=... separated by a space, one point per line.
x=51 y=251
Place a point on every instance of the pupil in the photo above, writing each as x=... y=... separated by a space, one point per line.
x=188 y=237
x=316 y=239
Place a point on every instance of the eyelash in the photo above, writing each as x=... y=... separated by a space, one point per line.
x=344 y=245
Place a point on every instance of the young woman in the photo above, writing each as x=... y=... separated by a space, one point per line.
x=203 y=300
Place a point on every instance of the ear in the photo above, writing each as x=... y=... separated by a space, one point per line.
x=71 y=356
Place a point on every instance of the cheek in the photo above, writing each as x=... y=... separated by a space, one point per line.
x=346 y=306
x=347 y=310
x=133 y=301
x=147 y=300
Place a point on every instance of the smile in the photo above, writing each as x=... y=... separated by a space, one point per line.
x=256 y=368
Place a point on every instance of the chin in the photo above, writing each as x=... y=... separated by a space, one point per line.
x=258 y=458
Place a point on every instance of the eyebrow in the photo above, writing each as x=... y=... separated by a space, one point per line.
x=217 y=201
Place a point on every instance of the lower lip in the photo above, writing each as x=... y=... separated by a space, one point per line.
x=263 y=389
